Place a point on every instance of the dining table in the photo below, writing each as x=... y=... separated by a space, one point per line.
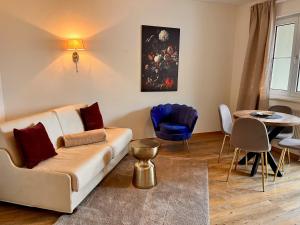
x=275 y=123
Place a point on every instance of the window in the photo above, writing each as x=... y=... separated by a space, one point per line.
x=285 y=70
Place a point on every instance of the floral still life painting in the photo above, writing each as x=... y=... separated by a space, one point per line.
x=160 y=58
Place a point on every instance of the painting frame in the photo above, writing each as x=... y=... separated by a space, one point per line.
x=160 y=58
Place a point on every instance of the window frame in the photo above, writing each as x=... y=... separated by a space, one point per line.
x=291 y=94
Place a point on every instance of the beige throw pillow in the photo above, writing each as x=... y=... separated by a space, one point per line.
x=84 y=138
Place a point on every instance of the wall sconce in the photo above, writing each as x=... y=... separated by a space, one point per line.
x=75 y=45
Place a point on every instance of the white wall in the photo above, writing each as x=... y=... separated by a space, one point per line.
x=38 y=74
x=288 y=7
x=2 y=111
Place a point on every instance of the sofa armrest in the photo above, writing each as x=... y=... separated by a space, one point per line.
x=30 y=187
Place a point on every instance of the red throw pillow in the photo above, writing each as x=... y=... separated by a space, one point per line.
x=35 y=144
x=91 y=117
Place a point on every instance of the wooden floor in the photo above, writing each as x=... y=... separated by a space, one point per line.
x=241 y=201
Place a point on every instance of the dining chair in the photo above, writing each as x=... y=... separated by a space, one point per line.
x=226 y=124
x=286 y=144
x=250 y=135
x=287 y=132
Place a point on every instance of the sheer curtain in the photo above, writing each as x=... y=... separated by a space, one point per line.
x=255 y=83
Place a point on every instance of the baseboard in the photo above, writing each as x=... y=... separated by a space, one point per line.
x=208 y=133
x=202 y=134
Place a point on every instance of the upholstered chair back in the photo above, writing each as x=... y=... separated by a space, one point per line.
x=251 y=135
x=283 y=109
x=225 y=119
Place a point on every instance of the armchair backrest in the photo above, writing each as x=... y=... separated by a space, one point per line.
x=159 y=114
x=183 y=114
x=174 y=113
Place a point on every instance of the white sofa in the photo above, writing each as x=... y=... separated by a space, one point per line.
x=62 y=182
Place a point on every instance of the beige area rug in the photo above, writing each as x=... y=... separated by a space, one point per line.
x=180 y=197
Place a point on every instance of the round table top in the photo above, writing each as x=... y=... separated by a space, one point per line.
x=145 y=149
x=145 y=143
x=285 y=120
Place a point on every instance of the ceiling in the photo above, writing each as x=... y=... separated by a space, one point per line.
x=236 y=2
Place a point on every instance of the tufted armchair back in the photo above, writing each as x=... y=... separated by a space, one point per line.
x=174 y=113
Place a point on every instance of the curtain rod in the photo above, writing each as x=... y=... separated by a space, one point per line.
x=276 y=1
x=280 y=1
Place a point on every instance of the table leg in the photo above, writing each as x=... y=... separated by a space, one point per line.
x=255 y=165
x=271 y=161
x=273 y=164
x=272 y=134
x=250 y=155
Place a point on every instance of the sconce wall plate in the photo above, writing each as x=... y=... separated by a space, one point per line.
x=75 y=45
x=75 y=57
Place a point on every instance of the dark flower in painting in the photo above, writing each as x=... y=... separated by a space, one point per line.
x=160 y=58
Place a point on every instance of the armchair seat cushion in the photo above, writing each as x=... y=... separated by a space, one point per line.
x=173 y=137
x=173 y=128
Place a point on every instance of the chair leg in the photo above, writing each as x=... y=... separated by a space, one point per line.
x=187 y=145
x=279 y=163
x=282 y=160
x=262 y=170
x=266 y=160
x=221 y=150
x=229 y=144
x=289 y=156
x=232 y=162
x=237 y=158
x=246 y=158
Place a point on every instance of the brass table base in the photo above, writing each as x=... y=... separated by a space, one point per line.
x=144 y=175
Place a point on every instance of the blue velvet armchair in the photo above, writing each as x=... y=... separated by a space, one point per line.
x=174 y=122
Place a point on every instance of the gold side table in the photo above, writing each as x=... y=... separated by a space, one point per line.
x=144 y=175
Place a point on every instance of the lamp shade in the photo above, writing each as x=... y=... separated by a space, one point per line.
x=75 y=44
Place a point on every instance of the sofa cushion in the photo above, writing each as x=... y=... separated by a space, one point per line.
x=35 y=144
x=118 y=138
x=82 y=163
x=173 y=128
x=69 y=118
x=91 y=117
x=8 y=142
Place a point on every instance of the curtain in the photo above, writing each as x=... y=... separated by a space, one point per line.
x=255 y=82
